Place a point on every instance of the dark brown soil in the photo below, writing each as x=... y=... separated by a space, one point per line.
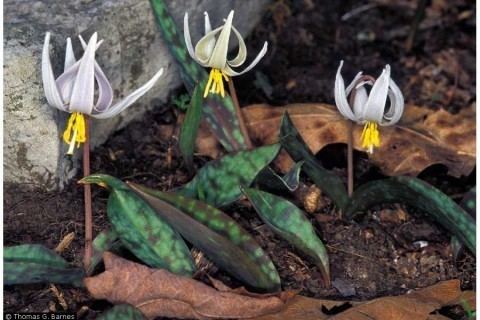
x=376 y=255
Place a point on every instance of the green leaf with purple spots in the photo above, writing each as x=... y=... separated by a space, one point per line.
x=141 y=230
x=296 y=147
x=418 y=194
x=291 y=224
x=224 y=241
x=219 y=112
x=106 y=240
x=269 y=180
x=218 y=182
x=34 y=263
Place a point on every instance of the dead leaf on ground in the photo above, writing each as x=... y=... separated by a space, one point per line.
x=414 y=306
x=159 y=293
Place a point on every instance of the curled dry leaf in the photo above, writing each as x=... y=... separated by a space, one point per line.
x=423 y=137
x=159 y=293
x=414 y=306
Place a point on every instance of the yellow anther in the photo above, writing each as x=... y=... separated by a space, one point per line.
x=370 y=136
x=215 y=83
x=75 y=131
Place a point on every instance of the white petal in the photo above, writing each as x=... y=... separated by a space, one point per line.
x=84 y=44
x=128 y=100
x=84 y=86
x=218 y=58
x=204 y=47
x=397 y=105
x=69 y=55
x=49 y=85
x=105 y=91
x=188 y=39
x=341 y=96
x=242 y=50
x=354 y=82
x=66 y=80
x=377 y=99
x=257 y=59
x=359 y=101
x=208 y=25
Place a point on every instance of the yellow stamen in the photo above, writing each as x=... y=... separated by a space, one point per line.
x=75 y=131
x=215 y=83
x=370 y=136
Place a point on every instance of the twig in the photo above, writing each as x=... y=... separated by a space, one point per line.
x=87 y=196
x=241 y=121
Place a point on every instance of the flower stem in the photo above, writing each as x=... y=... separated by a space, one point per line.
x=87 y=196
x=241 y=121
x=350 y=156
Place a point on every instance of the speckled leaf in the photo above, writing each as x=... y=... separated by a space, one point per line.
x=190 y=126
x=219 y=112
x=33 y=263
x=106 y=240
x=290 y=223
x=122 y=312
x=268 y=179
x=418 y=194
x=224 y=241
x=218 y=182
x=141 y=230
x=328 y=182
x=469 y=202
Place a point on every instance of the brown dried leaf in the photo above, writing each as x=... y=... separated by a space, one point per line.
x=414 y=306
x=159 y=293
x=424 y=137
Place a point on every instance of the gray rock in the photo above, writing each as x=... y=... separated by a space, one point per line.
x=132 y=52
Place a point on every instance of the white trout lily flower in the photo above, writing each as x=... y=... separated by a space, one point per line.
x=211 y=52
x=74 y=90
x=371 y=110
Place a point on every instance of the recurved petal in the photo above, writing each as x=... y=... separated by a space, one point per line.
x=128 y=100
x=49 y=85
x=218 y=58
x=204 y=47
x=242 y=50
x=257 y=59
x=188 y=38
x=84 y=86
x=65 y=82
x=397 y=105
x=375 y=106
x=69 y=55
x=105 y=91
x=354 y=82
x=208 y=25
x=341 y=96
x=84 y=44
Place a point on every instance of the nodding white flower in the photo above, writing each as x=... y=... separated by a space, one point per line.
x=211 y=52
x=74 y=90
x=355 y=104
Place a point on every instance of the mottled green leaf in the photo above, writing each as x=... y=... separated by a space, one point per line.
x=290 y=223
x=469 y=202
x=141 y=230
x=420 y=195
x=219 y=112
x=122 y=312
x=268 y=179
x=217 y=183
x=296 y=147
x=33 y=263
x=191 y=123
x=106 y=240
x=224 y=241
